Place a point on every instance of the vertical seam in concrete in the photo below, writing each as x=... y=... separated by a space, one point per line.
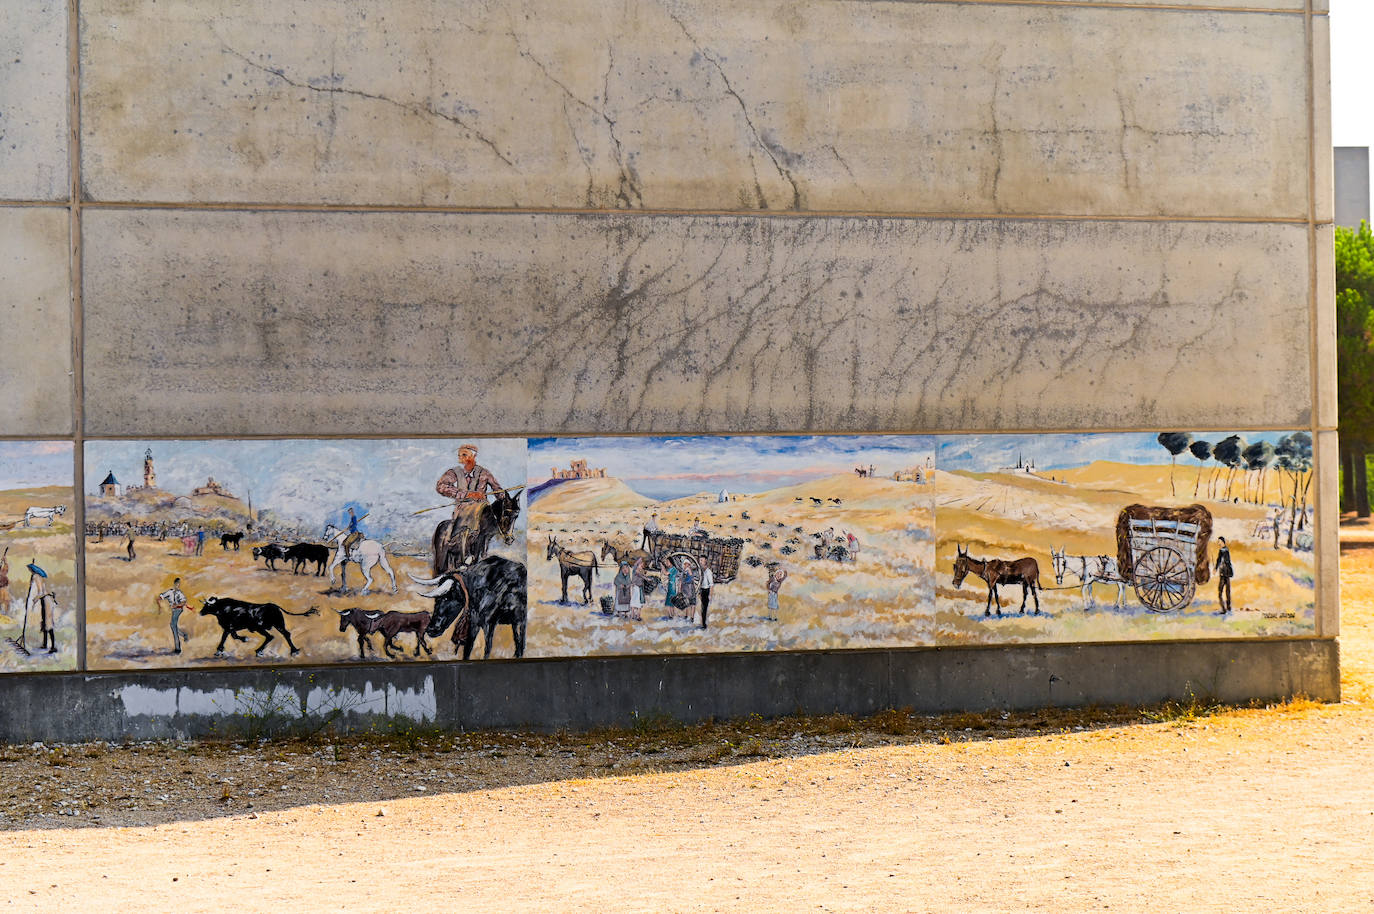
x=1312 y=306
x=78 y=329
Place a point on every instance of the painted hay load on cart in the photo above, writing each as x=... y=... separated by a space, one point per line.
x=693 y=553
x=1162 y=553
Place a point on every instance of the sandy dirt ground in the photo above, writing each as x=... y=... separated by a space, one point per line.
x=1181 y=808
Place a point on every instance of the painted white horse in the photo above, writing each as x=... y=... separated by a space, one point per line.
x=367 y=554
x=48 y=514
x=1090 y=570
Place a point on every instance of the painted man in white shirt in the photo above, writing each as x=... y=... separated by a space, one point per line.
x=177 y=601
x=708 y=580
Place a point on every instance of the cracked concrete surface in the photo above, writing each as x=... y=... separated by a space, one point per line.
x=225 y=323
x=814 y=105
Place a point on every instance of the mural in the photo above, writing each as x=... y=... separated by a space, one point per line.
x=37 y=557
x=251 y=552
x=261 y=552
x=1103 y=537
x=745 y=543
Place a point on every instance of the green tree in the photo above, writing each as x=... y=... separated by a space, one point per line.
x=1355 y=358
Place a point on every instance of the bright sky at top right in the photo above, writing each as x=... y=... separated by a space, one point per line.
x=1352 y=42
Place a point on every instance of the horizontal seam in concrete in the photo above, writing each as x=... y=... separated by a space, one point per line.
x=783 y=433
x=294 y=668
x=119 y=205
x=1107 y=5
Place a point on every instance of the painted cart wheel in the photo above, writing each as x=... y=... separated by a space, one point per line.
x=1163 y=580
x=685 y=561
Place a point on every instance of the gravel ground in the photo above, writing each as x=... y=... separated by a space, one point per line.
x=1184 y=807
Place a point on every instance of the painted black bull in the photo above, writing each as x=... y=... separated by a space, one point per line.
x=270 y=554
x=259 y=618
x=390 y=624
x=479 y=597
x=496 y=519
x=303 y=554
x=231 y=539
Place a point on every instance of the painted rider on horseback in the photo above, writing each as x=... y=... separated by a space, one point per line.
x=467 y=484
x=355 y=535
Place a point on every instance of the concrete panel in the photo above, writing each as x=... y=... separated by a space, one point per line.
x=223 y=323
x=1323 y=204
x=1326 y=399
x=709 y=105
x=1327 y=534
x=36 y=314
x=582 y=694
x=33 y=100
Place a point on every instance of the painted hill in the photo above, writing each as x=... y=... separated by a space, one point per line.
x=590 y=495
x=852 y=491
x=1152 y=481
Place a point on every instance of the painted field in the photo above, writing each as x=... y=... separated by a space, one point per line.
x=1218 y=544
x=38 y=597
x=232 y=552
x=846 y=547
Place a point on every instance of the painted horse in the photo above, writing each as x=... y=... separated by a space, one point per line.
x=497 y=518
x=580 y=564
x=994 y=572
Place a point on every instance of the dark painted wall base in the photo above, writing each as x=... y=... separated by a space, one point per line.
x=580 y=694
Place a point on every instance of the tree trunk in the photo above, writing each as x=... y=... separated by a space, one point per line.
x=1361 y=483
x=1347 y=479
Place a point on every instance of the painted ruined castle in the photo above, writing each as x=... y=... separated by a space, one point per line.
x=579 y=470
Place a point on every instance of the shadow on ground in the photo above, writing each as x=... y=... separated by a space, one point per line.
x=101 y=785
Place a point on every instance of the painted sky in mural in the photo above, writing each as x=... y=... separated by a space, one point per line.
x=664 y=468
x=989 y=453
x=28 y=464
x=313 y=481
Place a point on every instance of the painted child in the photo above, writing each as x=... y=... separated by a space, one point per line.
x=672 y=587
x=776 y=575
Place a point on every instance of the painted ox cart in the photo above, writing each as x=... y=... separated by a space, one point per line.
x=693 y=553
x=1162 y=553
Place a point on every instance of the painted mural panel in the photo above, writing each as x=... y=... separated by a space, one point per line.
x=741 y=543
x=315 y=551
x=38 y=600
x=1104 y=537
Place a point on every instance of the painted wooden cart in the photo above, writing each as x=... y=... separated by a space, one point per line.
x=1162 y=553
x=693 y=553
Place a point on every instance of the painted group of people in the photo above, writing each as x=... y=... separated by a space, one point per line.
x=684 y=589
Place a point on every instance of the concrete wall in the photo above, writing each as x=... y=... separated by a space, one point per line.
x=290 y=218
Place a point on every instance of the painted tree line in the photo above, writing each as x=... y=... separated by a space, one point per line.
x=1355 y=361
x=1243 y=471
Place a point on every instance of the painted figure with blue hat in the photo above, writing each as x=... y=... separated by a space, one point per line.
x=40 y=597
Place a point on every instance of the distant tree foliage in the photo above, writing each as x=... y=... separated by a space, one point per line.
x=1355 y=360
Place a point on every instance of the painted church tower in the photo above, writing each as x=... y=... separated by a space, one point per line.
x=149 y=474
